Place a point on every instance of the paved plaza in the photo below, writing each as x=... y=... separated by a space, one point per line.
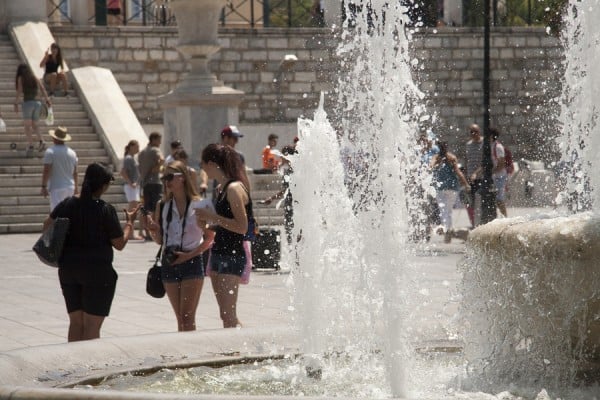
x=32 y=311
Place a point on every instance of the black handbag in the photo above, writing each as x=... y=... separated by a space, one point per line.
x=49 y=246
x=154 y=283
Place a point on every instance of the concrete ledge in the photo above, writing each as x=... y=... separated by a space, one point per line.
x=36 y=372
x=32 y=40
x=110 y=112
x=531 y=299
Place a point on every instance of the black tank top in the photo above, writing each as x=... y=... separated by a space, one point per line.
x=51 y=66
x=226 y=241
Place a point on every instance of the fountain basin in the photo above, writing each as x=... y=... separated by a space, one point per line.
x=44 y=372
x=531 y=290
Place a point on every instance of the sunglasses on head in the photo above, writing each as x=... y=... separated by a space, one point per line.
x=169 y=177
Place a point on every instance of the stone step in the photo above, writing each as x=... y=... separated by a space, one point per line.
x=16 y=135
x=36 y=199
x=8 y=95
x=33 y=169
x=79 y=119
x=76 y=145
x=7 y=108
x=34 y=180
x=7 y=161
x=95 y=153
x=73 y=130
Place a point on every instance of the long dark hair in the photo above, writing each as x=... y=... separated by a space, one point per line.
x=27 y=78
x=96 y=176
x=443 y=146
x=130 y=145
x=59 y=59
x=226 y=158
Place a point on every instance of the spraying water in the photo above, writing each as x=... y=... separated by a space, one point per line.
x=351 y=212
x=580 y=139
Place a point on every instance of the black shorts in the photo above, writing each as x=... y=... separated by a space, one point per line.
x=113 y=11
x=152 y=193
x=230 y=264
x=89 y=291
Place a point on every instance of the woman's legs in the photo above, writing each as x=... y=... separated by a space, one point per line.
x=184 y=297
x=226 y=287
x=28 y=127
x=51 y=80
x=62 y=78
x=131 y=206
x=446 y=200
x=84 y=326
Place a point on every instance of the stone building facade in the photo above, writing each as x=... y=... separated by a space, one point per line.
x=526 y=76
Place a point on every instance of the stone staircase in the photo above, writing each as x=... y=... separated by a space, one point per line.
x=264 y=186
x=22 y=208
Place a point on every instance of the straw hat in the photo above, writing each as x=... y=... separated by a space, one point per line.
x=60 y=133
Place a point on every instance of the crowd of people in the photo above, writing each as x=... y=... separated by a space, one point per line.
x=453 y=181
x=199 y=235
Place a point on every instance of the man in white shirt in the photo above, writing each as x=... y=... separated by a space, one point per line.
x=59 y=178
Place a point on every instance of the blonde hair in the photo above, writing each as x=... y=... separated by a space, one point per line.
x=190 y=190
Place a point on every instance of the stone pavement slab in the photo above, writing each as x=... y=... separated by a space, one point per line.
x=32 y=310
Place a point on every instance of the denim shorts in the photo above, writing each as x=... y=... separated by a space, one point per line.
x=500 y=182
x=231 y=264
x=31 y=110
x=191 y=269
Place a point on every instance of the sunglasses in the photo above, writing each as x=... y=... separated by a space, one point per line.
x=170 y=176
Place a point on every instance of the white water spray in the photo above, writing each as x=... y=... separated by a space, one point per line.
x=351 y=279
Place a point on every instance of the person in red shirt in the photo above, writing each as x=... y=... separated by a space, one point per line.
x=270 y=160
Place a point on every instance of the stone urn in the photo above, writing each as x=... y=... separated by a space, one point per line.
x=197 y=23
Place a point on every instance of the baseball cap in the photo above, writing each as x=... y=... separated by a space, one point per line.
x=231 y=130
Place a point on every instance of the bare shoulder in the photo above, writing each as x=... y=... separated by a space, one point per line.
x=237 y=188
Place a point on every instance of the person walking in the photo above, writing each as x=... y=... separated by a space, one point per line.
x=230 y=221
x=499 y=172
x=85 y=271
x=51 y=63
x=184 y=240
x=59 y=177
x=131 y=175
x=474 y=169
x=150 y=162
x=27 y=87
x=447 y=180
x=285 y=193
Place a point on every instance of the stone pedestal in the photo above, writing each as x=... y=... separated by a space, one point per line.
x=196 y=111
x=197 y=119
x=531 y=297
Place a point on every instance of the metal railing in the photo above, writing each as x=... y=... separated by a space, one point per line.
x=272 y=13
x=138 y=12
x=59 y=9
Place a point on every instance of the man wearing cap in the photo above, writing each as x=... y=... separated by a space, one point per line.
x=59 y=178
x=230 y=135
x=175 y=146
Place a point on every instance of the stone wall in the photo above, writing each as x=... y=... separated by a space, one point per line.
x=525 y=62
